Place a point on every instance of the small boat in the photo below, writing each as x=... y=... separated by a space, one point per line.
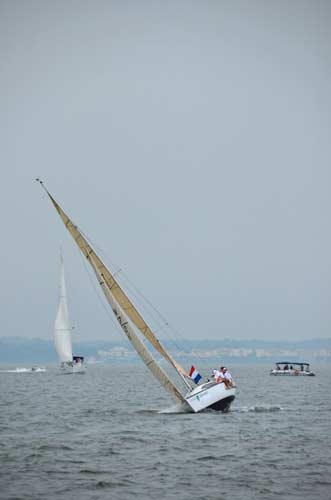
x=207 y=395
x=62 y=333
x=34 y=369
x=38 y=369
x=295 y=369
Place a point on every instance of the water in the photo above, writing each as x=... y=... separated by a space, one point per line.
x=101 y=436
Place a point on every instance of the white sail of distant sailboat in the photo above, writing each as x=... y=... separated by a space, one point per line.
x=63 y=329
x=213 y=395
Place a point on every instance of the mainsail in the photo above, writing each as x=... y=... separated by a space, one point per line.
x=62 y=328
x=114 y=288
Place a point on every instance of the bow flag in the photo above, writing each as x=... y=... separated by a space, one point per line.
x=195 y=375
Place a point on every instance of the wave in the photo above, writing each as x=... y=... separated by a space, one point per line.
x=104 y=484
x=90 y=471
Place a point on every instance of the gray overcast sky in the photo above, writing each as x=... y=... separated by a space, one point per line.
x=190 y=140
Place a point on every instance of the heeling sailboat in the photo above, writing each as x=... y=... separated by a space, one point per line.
x=62 y=332
x=207 y=395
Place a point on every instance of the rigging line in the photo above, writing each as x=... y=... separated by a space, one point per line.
x=183 y=347
x=97 y=292
x=101 y=252
x=137 y=293
x=106 y=258
x=105 y=306
x=127 y=283
x=179 y=342
x=161 y=327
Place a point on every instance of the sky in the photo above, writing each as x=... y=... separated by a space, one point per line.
x=190 y=140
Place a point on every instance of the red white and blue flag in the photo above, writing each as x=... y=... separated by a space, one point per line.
x=194 y=374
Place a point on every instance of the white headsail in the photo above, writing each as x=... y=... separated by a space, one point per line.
x=62 y=328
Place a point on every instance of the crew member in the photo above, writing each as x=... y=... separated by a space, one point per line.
x=227 y=377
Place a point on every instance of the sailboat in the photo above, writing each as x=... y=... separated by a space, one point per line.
x=208 y=395
x=62 y=332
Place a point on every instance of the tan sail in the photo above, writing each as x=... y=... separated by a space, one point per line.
x=121 y=298
x=146 y=356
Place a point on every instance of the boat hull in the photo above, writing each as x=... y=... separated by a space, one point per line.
x=211 y=396
x=292 y=373
x=72 y=368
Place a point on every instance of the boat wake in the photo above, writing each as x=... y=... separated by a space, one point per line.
x=177 y=408
x=258 y=409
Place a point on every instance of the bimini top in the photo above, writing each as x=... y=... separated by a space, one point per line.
x=292 y=363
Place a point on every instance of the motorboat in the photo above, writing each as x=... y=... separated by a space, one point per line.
x=292 y=369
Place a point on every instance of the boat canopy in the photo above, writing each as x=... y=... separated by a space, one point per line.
x=293 y=363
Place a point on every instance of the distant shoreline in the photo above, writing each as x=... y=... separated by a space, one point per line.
x=33 y=350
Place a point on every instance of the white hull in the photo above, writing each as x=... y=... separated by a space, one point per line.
x=292 y=373
x=212 y=396
x=71 y=368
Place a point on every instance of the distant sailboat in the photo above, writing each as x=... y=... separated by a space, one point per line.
x=213 y=395
x=62 y=332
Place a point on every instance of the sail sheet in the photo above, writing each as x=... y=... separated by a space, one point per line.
x=121 y=298
x=62 y=328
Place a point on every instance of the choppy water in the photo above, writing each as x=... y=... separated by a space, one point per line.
x=100 y=436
